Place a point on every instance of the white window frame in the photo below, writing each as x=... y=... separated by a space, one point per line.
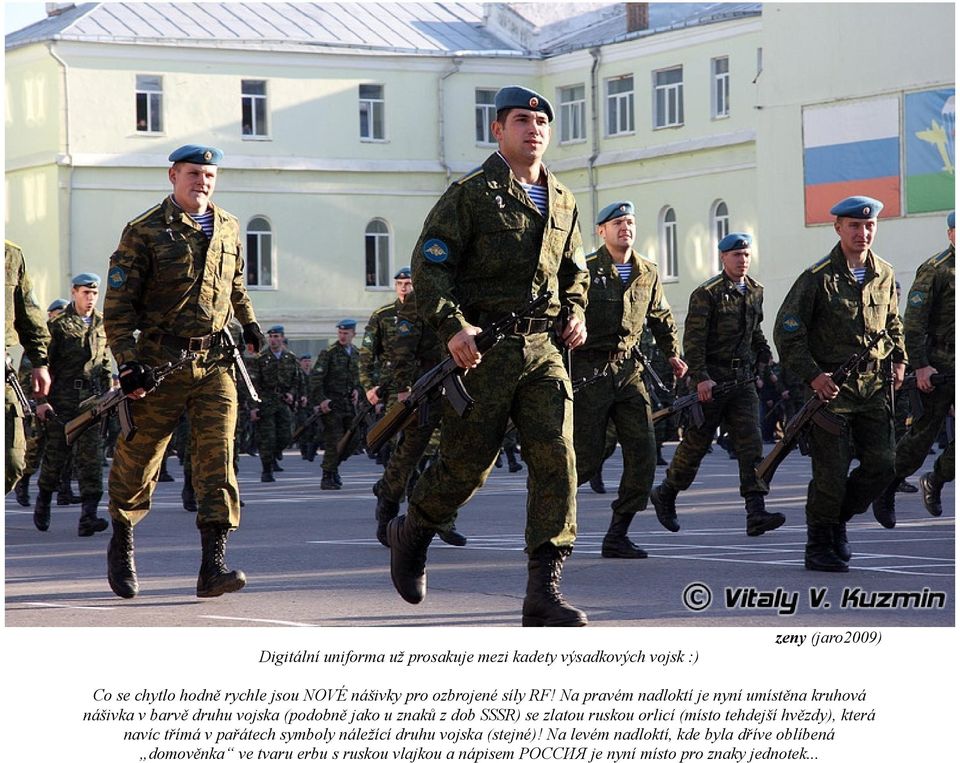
x=374 y=107
x=667 y=100
x=669 y=255
x=620 y=104
x=720 y=88
x=257 y=105
x=573 y=114
x=265 y=240
x=719 y=225
x=484 y=114
x=382 y=269
x=153 y=104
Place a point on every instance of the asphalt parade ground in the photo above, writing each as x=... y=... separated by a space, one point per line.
x=311 y=559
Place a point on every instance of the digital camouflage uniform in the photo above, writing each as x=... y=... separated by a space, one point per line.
x=335 y=377
x=617 y=314
x=378 y=336
x=273 y=378
x=26 y=325
x=825 y=319
x=172 y=282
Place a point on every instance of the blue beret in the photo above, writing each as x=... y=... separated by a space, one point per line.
x=404 y=272
x=347 y=323
x=735 y=241
x=57 y=304
x=196 y=154
x=950 y=219
x=859 y=207
x=615 y=210
x=515 y=97
x=90 y=280
x=278 y=329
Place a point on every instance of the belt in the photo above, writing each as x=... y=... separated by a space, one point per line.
x=611 y=356
x=526 y=326
x=81 y=383
x=733 y=363
x=190 y=343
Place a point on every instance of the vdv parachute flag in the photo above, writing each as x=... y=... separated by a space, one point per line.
x=929 y=132
x=851 y=149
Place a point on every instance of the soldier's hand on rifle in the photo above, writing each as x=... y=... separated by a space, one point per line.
x=44 y=410
x=325 y=406
x=824 y=387
x=574 y=333
x=303 y=401
x=254 y=414
x=401 y=396
x=40 y=381
x=705 y=390
x=463 y=347
x=135 y=379
x=899 y=371
x=373 y=395
x=355 y=397
x=678 y=365
x=923 y=378
x=288 y=398
x=253 y=336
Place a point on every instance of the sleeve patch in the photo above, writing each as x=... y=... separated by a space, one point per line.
x=916 y=298
x=790 y=323
x=404 y=327
x=435 y=250
x=117 y=277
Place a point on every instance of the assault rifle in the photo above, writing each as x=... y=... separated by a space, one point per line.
x=813 y=412
x=446 y=378
x=96 y=409
x=11 y=378
x=692 y=401
x=233 y=352
x=347 y=444
x=916 y=396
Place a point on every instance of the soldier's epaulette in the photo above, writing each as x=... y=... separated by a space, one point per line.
x=145 y=215
x=819 y=265
x=469 y=176
x=383 y=308
x=591 y=257
x=754 y=282
x=711 y=282
x=938 y=258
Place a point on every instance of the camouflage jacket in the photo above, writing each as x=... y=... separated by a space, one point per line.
x=722 y=334
x=617 y=312
x=485 y=249
x=416 y=348
x=374 y=349
x=78 y=354
x=928 y=324
x=335 y=375
x=827 y=316
x=166 y=277
x=275 y=377
x=26 y=321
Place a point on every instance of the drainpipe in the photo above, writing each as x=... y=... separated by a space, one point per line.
x=65 y=226
x=595 y=129
x=454 y=68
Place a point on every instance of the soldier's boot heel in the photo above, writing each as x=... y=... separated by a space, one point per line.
x=121 y=566
x=65 y=495
x=616 y=544
x=90 y=523
x=664 y=500
x=188 y=496
x=267 y=476
x=596 y=482
x=386 y=510
x=884 y=507
x=840 y=543
x=515 y=465
x=544 y=605
x=214 y=578
x=41 y=510
x=931 y=486
x=820 y=554
x=328 y=482
x=22 y=490
x=452 y=537
x=759 y=520
x=409 y=540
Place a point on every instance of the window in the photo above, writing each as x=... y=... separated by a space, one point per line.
x=149 y=103
x=720 y=225
x=377 y=242
x=668 y=244
x=721 y=87
x=620 y=106
x=259 y=254
x=486 y=113
x=573 y=111
x=371 y=112
x=668 y=98
x=253 y=107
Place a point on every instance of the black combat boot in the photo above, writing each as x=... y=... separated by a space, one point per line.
x=188 y=495
x=409 y=540
x=267 y=476
x=41 y=510
x=386 y=510
x=660 y=460
x=337 y=479
x=596 y=482
x=820 y=553
x=164 y=475
x=276 y=465
x=214 y=578
x=884 y=506
x=65 y=495
x=840 y=543
x=498 y=462
x=544 y=605
x=328 y=482
x=759 y=520
x=90 y=523
x=22 y=490
x=121 y=567
x=906 y=487
x=930 y=488
x=664 y=500
x=452 y=537
x=616 y=544
x=515 y=465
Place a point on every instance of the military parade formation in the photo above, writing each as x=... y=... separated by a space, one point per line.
x=505 y=339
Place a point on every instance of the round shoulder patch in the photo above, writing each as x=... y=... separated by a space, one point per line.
x=916 y=298
x=435 y=250
x=790 y=323
x=117 y=277
x=404 y=327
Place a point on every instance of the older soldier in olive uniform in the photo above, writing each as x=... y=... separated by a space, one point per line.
x=277 y=376
x=24 y=325
x=80 y=368
x=722 y=342
x=625 y=295
x=334 y=390
x=928 y=330
x=177 y=277
x=498 y=237
x=832 y=311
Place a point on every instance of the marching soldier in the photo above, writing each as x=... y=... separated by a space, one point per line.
x=378 y=337
x=177 y=277
x=723 y=342
x=308 y=439
x=625 y=296
x=831 y=313
x=79 y=368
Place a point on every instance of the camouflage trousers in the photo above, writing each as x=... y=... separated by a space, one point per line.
x=335 y=424
x=913 y=447
x=738 y=411
x=209 y=395
x=833 y=495
x=36 y=445
x=16 y=444
x=523 y=379
x=87 y=454
x=184 y=433
x=275 y=431
x=411 y=446
x=619 y=399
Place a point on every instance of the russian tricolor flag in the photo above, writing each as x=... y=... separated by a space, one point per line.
x=851 y=149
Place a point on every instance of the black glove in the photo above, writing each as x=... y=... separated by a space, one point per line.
x=253 y=335
x=134 y=375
